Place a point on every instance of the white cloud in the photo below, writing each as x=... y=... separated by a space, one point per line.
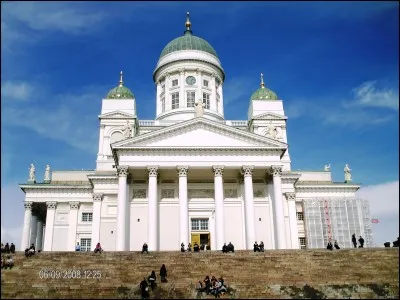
x=384 y=206
x=351 y=112
x=69 y=122
x=16 y=90
x=239 y=88
x=71 y=18
x=12 y=214
x=368 y=95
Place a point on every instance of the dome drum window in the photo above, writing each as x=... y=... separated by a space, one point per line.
x=190 y=98
x=206 y=100
x=205 y=83
x=174 y=82
x=175 y=100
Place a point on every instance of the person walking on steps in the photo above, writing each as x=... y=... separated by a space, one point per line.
x=354 y=240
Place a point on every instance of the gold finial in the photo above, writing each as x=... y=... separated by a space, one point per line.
x=187 y=24
x=121 y=82
x=262 y=81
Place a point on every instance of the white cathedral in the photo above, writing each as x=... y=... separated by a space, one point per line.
x=190 y=175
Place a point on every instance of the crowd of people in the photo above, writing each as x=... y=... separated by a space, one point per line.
x=7 y=248
x=150 y=282
x=196 y=247
x=212 y=286
x=353 y=240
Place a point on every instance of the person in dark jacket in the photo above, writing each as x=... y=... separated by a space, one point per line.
x=354 y=240
x=163 y=273
x=224 y=248
x=329 y=246
x=231 y=248
x=196 y=247
x=145 y=248
x=182 y=247
x=262 y=246
x=144 y=288
x=12 y=248
x=361 y=241
x=336 y=245
x=256 y=247
x=152 y=280
x=7 y=248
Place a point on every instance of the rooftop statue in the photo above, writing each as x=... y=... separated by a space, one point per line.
x=347 y=174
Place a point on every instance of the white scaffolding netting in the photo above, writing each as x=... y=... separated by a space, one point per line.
x=338 y=219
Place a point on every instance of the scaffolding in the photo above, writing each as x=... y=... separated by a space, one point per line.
x=336 y=219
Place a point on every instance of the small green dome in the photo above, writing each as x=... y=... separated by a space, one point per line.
x=188 y=42
x=264 y=93
x=120 y=92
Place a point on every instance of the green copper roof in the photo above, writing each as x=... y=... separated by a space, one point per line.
x=264 y=93
x=188 y=42
x=120 y=92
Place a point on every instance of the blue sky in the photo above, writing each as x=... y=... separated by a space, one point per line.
x=334 y=64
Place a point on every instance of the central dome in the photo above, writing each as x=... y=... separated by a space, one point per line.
x=188 y=42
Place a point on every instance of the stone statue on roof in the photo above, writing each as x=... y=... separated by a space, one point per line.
x=347 y=174
x=199 y=109
x=327 y=167
x=126 y=130
x=32 y=173
x=47 y=173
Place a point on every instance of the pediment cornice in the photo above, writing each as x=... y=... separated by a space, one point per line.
x=193 y=124
x=117 y=115
x=269 y=116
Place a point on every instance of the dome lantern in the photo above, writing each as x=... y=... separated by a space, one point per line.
x=263 y=93
x=120 y=92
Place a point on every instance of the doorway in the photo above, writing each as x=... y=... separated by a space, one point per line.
x=201 y=238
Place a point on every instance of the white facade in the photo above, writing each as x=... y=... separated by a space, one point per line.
x=189 y=175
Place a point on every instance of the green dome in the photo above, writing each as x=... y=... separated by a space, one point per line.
x=264 y=94
x=120 y=92
x=188 y=42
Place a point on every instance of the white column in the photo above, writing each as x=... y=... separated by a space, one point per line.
x=73 y=223
x=199 y=94
x=158 y=105
x=51 y=211
x=39 y=239
x=33 y=230
x=96 y=218
x=213 y=97
x=294 y=234
x=121 y=244
x=249 y=206
x=183 y=205
x=280 y=237
x=27 y=225
x=44 y=235
x=100 y=154
x=219 y=206
x=221 y=99
x=167 y=93
x=182 y=96
x=152 y=220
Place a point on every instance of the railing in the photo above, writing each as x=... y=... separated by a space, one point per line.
x=151 y=123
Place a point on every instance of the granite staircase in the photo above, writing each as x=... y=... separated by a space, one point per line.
x=313 y=274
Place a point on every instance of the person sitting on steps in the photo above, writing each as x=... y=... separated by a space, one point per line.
x=189 y=248
x=336 y=245
x=199 y=287
x=145 y=248
x=230 y=247
x=77 y=247
x=182 y=247
x=224 y=248
x=152 y=280
x=98 y=248
x=256 y=247
x=202 y=247
x=262 y=246
x=196 y=247
x=9 y=263
x=329 y=246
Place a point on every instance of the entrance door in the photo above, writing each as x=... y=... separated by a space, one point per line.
x=205 y=239
x=195 y=239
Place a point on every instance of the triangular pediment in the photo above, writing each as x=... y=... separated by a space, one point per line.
x=117 y=114
x=270 y=116
x=200 y=133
